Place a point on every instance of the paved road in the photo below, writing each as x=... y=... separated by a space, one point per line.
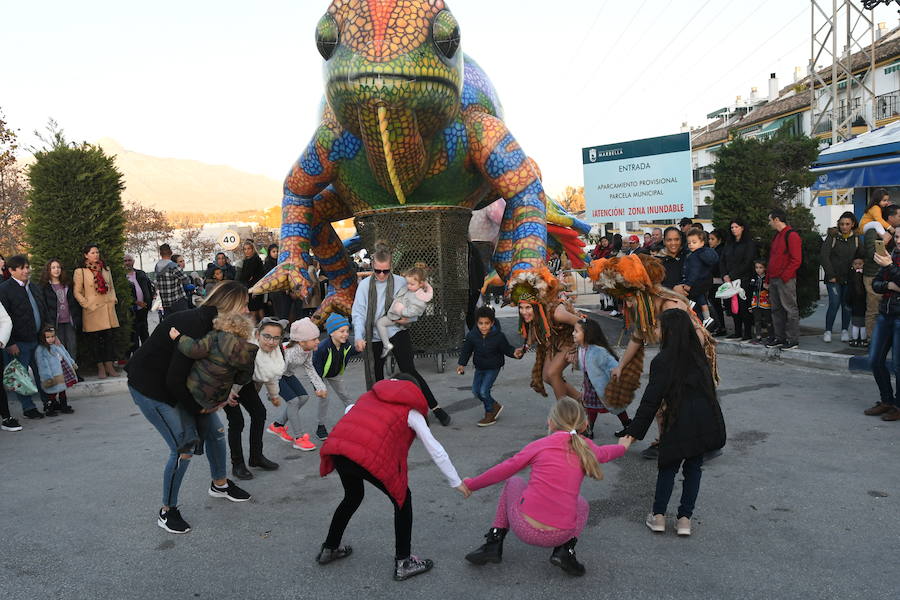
x=803 y=504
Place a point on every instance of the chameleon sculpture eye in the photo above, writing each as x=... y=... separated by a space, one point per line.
x=445 y=31
x=327 y=36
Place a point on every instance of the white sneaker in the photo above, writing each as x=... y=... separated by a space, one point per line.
x=683 y=526
x=826 y=337
x=656 y=523
x=845 y=335
x=387 y=350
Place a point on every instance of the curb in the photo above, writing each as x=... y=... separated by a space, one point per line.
x=806 y=358
x=100 y=387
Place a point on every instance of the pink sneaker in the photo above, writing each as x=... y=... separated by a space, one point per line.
x=281 y=432
x=303 y=443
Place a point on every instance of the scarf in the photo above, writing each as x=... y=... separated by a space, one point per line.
x=372 y=303
x=100 y=284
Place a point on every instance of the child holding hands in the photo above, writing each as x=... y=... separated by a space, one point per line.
x=487 y=344
x=330 y=359
x=546 y=511
x=597 y=360
x=298 y=354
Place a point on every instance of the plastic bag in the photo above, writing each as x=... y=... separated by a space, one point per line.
x=730 y=289
x=16 y=378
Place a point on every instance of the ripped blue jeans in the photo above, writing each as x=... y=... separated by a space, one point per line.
x=173 y=427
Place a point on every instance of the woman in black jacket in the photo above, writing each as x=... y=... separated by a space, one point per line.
x=157 y=376
x=886 y=337
x=737 y=263
x=717 y=243
x=252 y=270
x=280 y=302
x=672 y=256
x=841 y=246
x=57 y=287
x=692 y=423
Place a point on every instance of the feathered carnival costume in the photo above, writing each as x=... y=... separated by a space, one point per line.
x=541 y=291
x=638 y=276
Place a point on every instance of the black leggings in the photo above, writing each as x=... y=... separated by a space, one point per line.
x=249 y=399
x=403 y=354
x=352 y=477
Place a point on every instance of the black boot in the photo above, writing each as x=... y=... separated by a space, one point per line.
x=564 y=558
x=240 y=470
x=263 y=463
x=492 y=550
x=64 y=406
x=50 y=407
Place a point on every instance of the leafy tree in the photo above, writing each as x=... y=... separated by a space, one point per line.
x=144 y=228
x=752 y=177
x=75 y=199
x=13 y=194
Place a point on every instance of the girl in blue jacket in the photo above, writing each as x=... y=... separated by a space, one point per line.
x=53 y=363
x=597 y=360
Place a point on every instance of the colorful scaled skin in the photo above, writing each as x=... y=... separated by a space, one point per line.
x=408 y=121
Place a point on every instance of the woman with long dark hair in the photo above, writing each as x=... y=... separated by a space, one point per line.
x=280 y=301
x=737 y=263
x=63 y=310
x=93 y=289
x=692 y=424
x=672 y=256
x=252 y=270
x=841 y=246
x=717 y=240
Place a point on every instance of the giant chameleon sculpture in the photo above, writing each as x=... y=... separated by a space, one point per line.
x=408 y=121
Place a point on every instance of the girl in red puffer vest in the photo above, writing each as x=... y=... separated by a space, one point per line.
x=371 y=443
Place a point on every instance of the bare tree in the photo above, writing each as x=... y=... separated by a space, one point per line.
x=144 y=228
x=190 y=241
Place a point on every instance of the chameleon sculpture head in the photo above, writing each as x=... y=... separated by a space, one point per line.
x=393 y=78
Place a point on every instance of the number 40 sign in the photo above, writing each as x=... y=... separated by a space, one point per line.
x=229 y=240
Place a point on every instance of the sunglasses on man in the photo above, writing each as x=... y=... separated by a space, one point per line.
x=382 y=271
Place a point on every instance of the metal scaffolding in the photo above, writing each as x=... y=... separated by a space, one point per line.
x=841 y=97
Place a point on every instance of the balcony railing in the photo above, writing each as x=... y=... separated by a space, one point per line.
x=704 y=173
x=887 y=105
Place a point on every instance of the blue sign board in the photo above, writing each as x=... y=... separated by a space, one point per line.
x=640 y=180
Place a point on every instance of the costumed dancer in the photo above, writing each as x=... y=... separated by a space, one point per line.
x=637 y=279
x=546 y=322
x=547 y=511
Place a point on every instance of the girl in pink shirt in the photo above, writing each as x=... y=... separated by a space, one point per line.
x=546 y=511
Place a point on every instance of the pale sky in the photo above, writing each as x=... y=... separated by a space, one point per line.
x=239 y=83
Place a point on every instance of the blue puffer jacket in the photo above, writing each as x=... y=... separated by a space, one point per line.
x=698 y=269
x=488 y=350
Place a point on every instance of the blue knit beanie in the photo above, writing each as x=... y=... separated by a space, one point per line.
x=335 y=322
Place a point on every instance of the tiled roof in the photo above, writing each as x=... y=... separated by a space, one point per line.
x=773 y=109
x=714 y=132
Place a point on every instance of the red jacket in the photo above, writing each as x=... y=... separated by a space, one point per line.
x=785 y=255
x=375 y=434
